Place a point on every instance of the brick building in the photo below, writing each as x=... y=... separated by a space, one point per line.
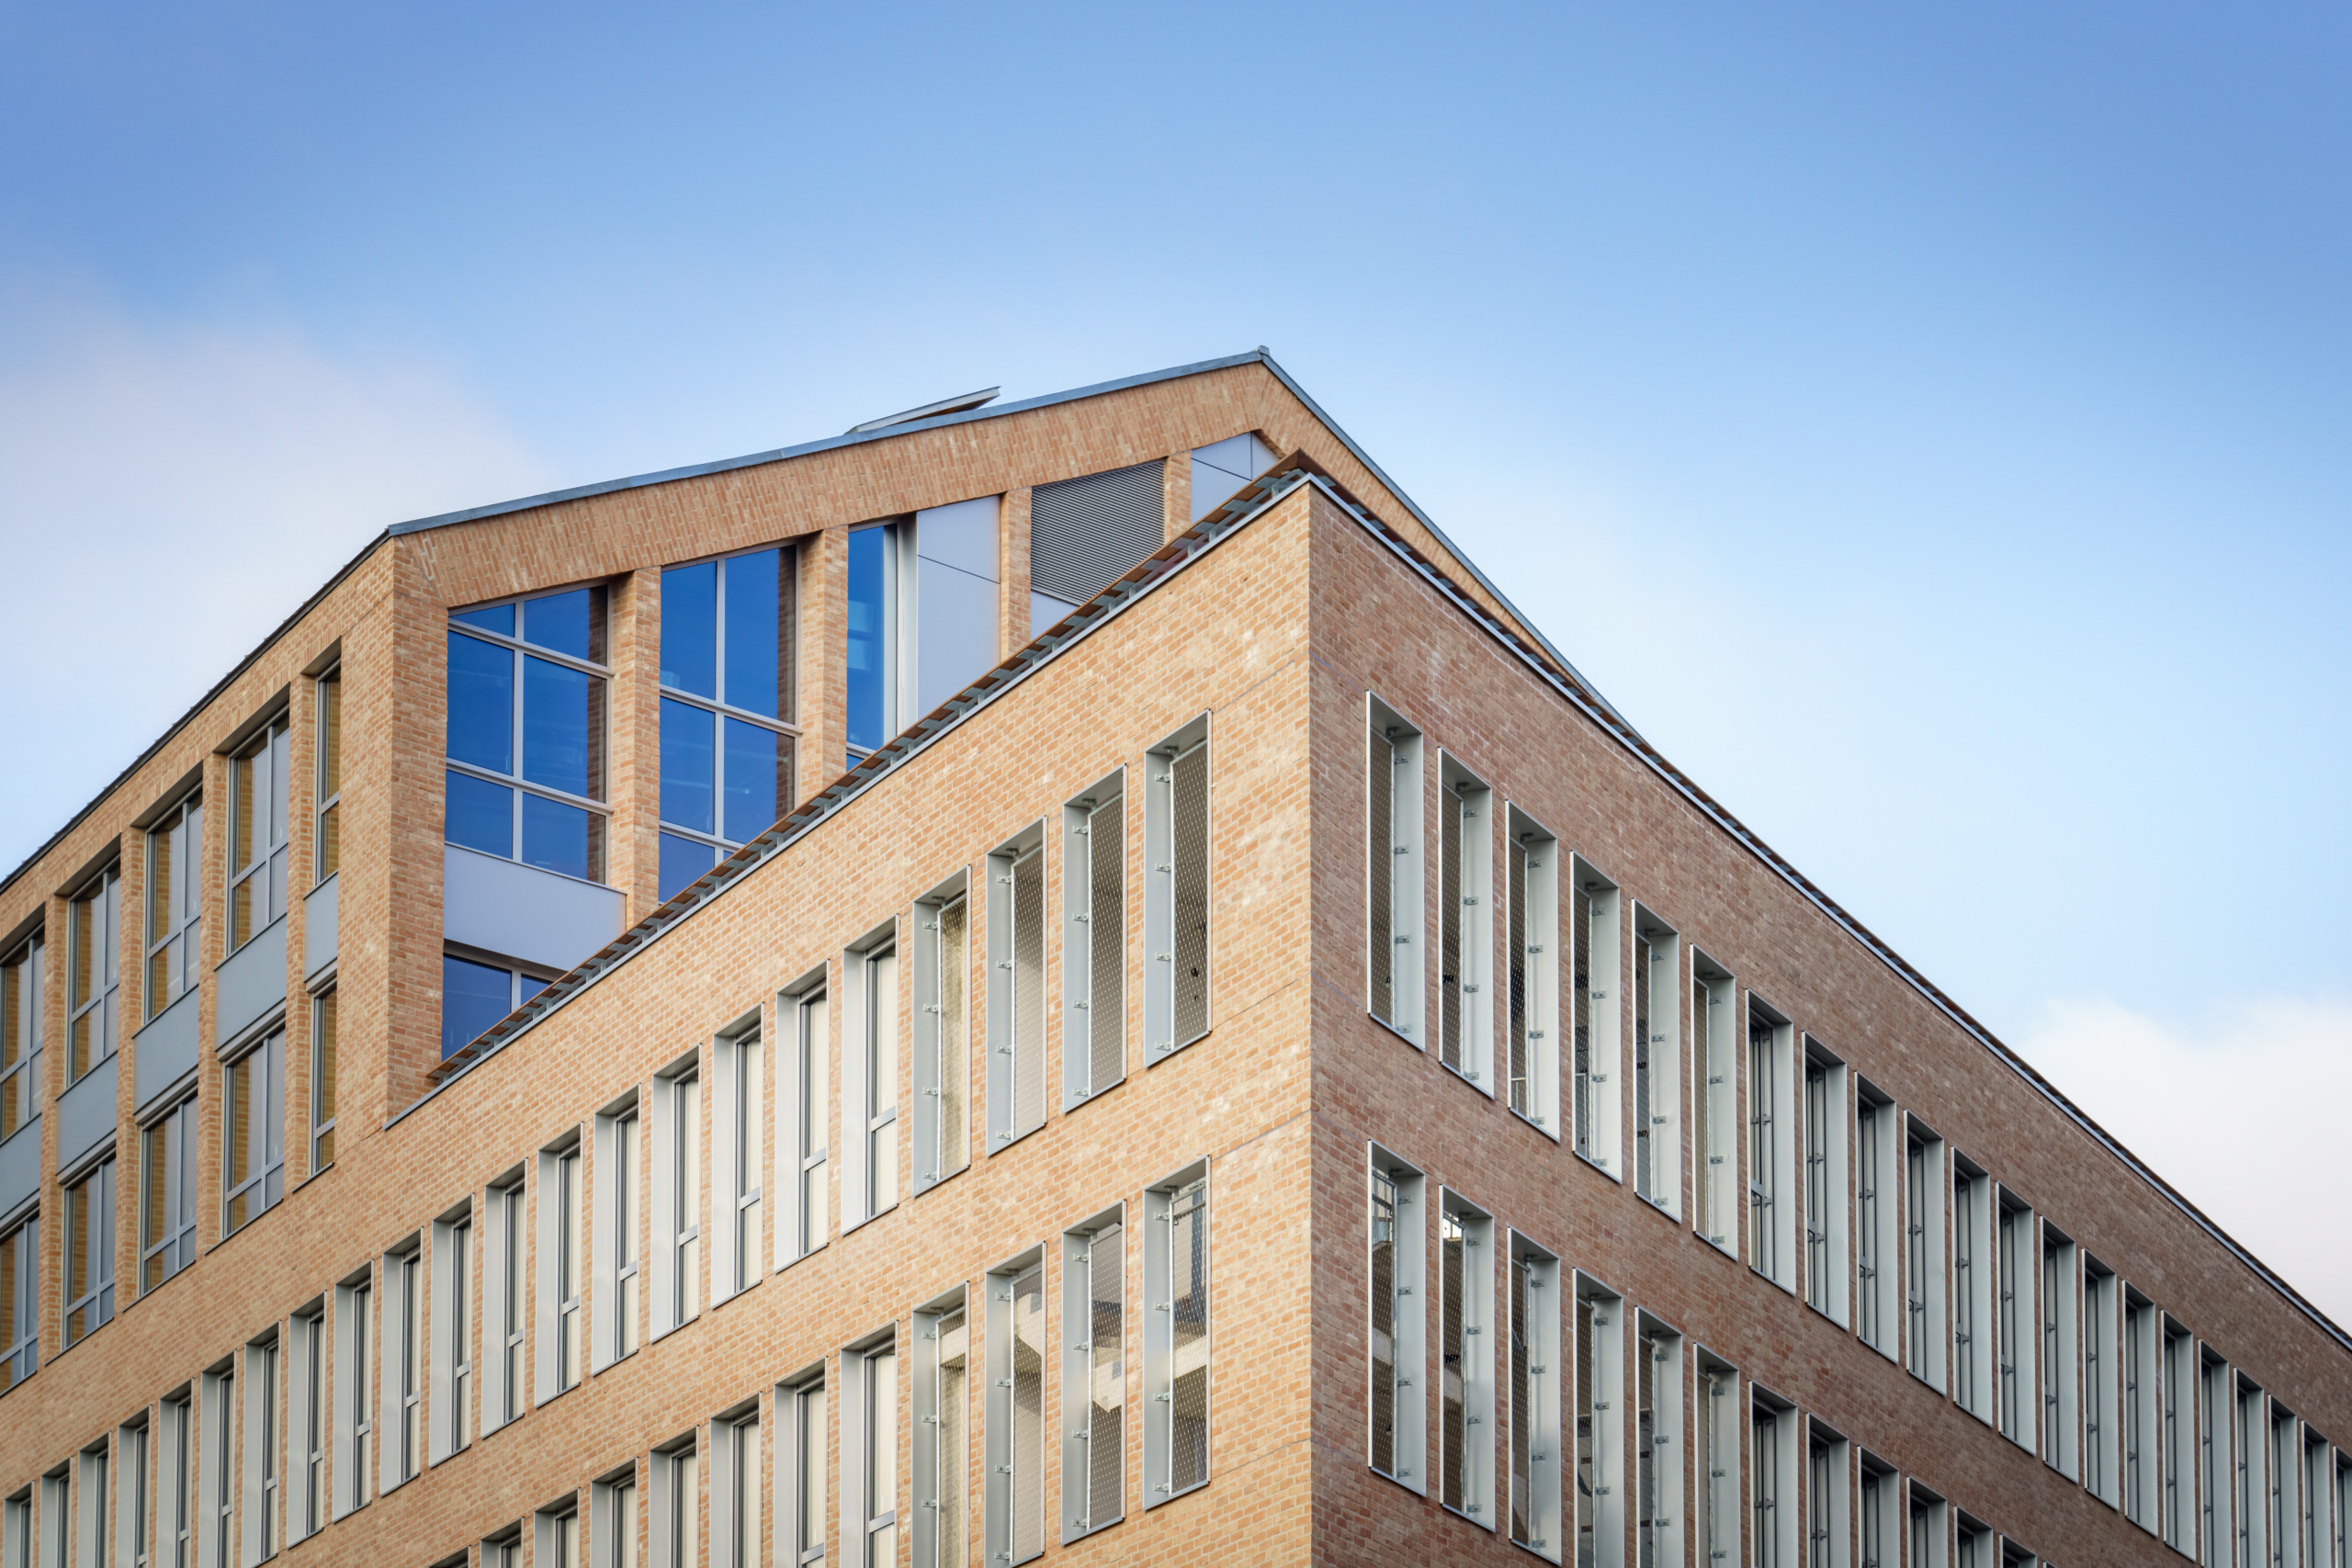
x=1254 y=1061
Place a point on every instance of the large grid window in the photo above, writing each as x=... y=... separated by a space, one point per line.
x=942 y=1018
x=1095 y=923
x=253 y=1142
x=93 y=972
x=475 y=995
x=1924 y=1309
x=1600 y=1424
x=323 y=1078
x=1395 y=955
x=1771 y=1120
x=1465 y=924
x=21 y=1037
x=1538 y=1379
x=1395 y=1294
x=1176 y=891
x=1878 y=1212
x=89 y=1253
x=1176 y=1336
x=1597 y=1011
x=1714 y=1105
x=1657 y=1061
x=727 y=707
x=326 y=842
x=805 y=1105
x=1094 y=1378
x=1466 y=1239
x=19 y=1303
x=942 y=1434
x=168 y=1194
x=1828 y=1247
x=1530 y=953
x=175 y=904
x=526 y=778
x=257 y=847
x=1016 y=1008
x=1017 y=1410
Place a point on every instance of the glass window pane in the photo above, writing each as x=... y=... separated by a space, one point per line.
x=479 y=814
x=683 y=860
x=561 y=728
x=525 y=988
x=568 y=623
x=690 y=629
x=868 y=666
x=686 y=765
x=499 y=618
x=751 y=781
x=563 y=838
x=754 y=631
x=473 y=997
x=481 y=704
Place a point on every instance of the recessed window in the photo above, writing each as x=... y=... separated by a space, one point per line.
x=1924 y=1279
x=2063 y=1356
x=1016 y=1007
x=727 y=707
x=2015 y=1258
x=1539 y=1380
x=253 y=1140
x=21 y=1037
x=1017 y=1410
x=217 y=1484
x=800 y=1460
x=1395 y=948
x=1176 y=891
x=1599 y=1422
x=1775 y=1441
x=1658 y=1444
x=1395 y=1308
x=322 y=1079
x=2176 y=1446
x=942 y=1433
x=1773 y=1141
x=168 y=1194
x=505 y=1303
x=93 y=972
x=404 y=1370
x=735 y=1489
x=1827 y=1243
x=942 y=1018
x=327 y=844
x=1714 y=1104
x=1930 y=1528
x=1220 y=470
x=1595 y=1014
x=1976 y=1328
x=1176 y=1335
x=175 y=904
x=526 y=779
x=307 y=1423
x=1877 y=1513
x=1466 y=1349
x=612 y=1518
x=454 y=1302
x=1530 y=985
x=738 y=1117
x=922 y=610
x=263 y=1521
x=677 y=1198
x=620 y=1207
x=1465 y=902
x=19 y=1303
x=1828 y=1499
x=1094 y=1378
x=870 y=1075
x=1878 y=1219
x=805 y=1107
x=257 y=848
x=356 y=1426
x=89 y=1252
x=1657 y=1061
x=1094 y=924
x=562 y=1283
x=677 y=1506
x=2130 y=1359
x=131 y=1499
x=475 y=995
x=870 y=1450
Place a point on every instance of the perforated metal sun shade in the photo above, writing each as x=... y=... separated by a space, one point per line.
x=1087 y=533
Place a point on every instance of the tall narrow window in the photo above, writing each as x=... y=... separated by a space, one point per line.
x=1657 y=1061
x=355 y=1453
x=1016 y=988
x=253 y=1140
x=1658 y=1446
x=1600 y=1425
x=1877 y=1220
x=941 y=1434
x=1397 y=1292
x=870 y=1047
x=1095 y=954
x=562 y=1283
x=307 y=1419
x=1597 y=1009
x=263 y=1498
x=2249 y=1487
x=2216 y=1420
x=735 y=1489
x=175 y=1478
x=1829 y=1525
x=2013 y=1308
x=620 y=1207
x=1176 y=891
x=509 y=1317
x=1016 y=1431
x=2284 y=1462
x=526 y=776
x=322 y=1079
x=1395 y=956
x=19 y=1303
x=612 y=1522
x=90 y=1485
x=1094 y=1378
x=175 y=904
x=2064 y=1358
x=1829 y=1241
x=737 y=1124
x=877 y=1378
x=93 y=972
x=1176 y=1335
x=404 y=1368
x=2176 y=1462
x=922 y=609
x=1772 y=1114
x=677 y=1198
x=1877 y=1516
x=1773 y=1479
x=1538 y=1376
x=21 y=1037
x=1466 y=1350
x=131 y=1498
x=257 y=847
x=942 y=1066
x=1714 y=1104
x=168 y=1194
x=1465 y=924
x=677 y=1507
x=453 y=1262
x=2128 y=1365
x=807 y=1111
x=89 y=1253
x=1924 y=1185
x=801 y=1475
x=326 y=842
x=727 y=707
x=1974 y=1335
x=219 y=1485
x=555 y=1537
x=1531 y=983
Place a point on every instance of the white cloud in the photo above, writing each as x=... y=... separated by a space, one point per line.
x=2241 y=1110
x=168 y=494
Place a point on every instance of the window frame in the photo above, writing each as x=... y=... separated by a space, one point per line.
x=174 y=1207
x=872 y=1051
x=1718 y=1214
x=1656 y=955
x=263 y=1053
x=1169 y=864
x=270 y=738
x=326 y=1016
x=738 y=1151
x=1530 y=947
x=1774 y=1477
x=681 y=1180
x=1016 y=1036
x=1089 y=1054
x=1162 y=1374
x=1465 y=923
x=403 y=1359
x=172 y=935
x=1407 y=1332
x=1087 y=1367
x=23 y=992
x=1772 y=1166
x=1658 y=1444
x=1536 y=1365
x=1006 y=1447
x=596 y=805
x=262 y=1467
x=457 y=1300
x=1879 y=1313
x=80 y=1208
x=1397 y=923
x=733 y=1444
x=940 y=1430
x=940 y=1018
x=357 y=1412
x=619 y=1202
x=869 y=1418
x=20 y=1345
x=804 y=1119
x=1466 y=1314
x=310 y=1421
x=1926 y=1256
x=1829 y=1490
x=91 y=1027
x=1599 y=1058
x=1827 y=1224
x=1719 y=1424
x=1974 y=1331
x=1601 y=1438
x=326 y=769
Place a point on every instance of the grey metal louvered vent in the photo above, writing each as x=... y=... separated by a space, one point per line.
x=1087 y=533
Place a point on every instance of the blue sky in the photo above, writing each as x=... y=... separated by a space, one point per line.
x=1927 y=427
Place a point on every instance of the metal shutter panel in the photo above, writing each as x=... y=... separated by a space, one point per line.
x=1086 y=533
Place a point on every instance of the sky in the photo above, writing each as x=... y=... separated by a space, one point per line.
x=1927 y=426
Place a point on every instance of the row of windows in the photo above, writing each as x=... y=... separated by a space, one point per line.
x=1559 y=1414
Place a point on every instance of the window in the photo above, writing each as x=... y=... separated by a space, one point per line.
x=1717 y=1444
x=677 y=1198
x=404 y=1370
x=89 y=1252
x=801 y=1475
x=1466 y=1239
x=807 y=1103
x=1016 y=874
x=252 y=1145
x=1924 y=1183
x=1829 y=1504
x=1392 y=875
x=922 y=612
x=738 y=1125
x=621 y=1206
x=1974 y=1335
x=453 y=1331
x=1537 y=1377
x=942 y=1016
x=322 y=1079
x=475 y=995
x=2315 y=1477
x=1977 y=1547
x=257 y=848
x=1600 y=1437
x=555 y=1537
x=20 y=1021
x=526 y=779
x=2013 y=1306
x=16 y=1529
x=1657 y=1454
x=56 y=1517
x=1877 y=1221
x=870 y=1074
x=506 y=1316
x=1657 y=1061
x=1827 y=1243
x=2176 y=1464
x=1772 y=1479
x=503 y=1550
x=1176 y=1335
x=2064 y=1367
x=167 y=1195
x=1714 y=1104
x=1094 y=927
x=263 y=1501
x=1221 y=469
x=90 y=1488
x=1086 y=533
x=1877 y=1514
x=217 y=1480
x=2134 y=1359
x=2251 y=1499
x=1532 y=956
x=94 y=927
x=612 y=1519
x=1095 y=1377
x=941 y=1434
x=1176 y=891
x=174 y=1475
x=727 y=707
x=1016 y=1408
x=677 y=1524
x=2216 y=1413
x=19 y=1303
x=2283 y=1463
x=1465 y=924
x=1396 y=1277
x=870 y=1450
x=326 y=842
x=175 y=904
x=131 y=1494
x=1771 y=1112
x=1930 y=1528
x=307 y=1425
x=353 y=1469
x=1594 y=966
x=735 y=1488
x=562 y=1323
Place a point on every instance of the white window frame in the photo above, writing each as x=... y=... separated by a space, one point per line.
x=1094 y=1251
x=677 y=1503
x=506 y=1296
x=1830 y=1497
x=1826 y=1121
x=1657 y=971
x=455 y=1300
x=358 y=1425
x=1472 y=1229
x=804 y=1111
x=217 y=1542
x=936 y=1465
x=1661 y=1347
x=2131 y=1391
x=1718 y=1208
x=872 y=1055
x=1094 y=942
x=1928 y=1529
x=1598 y=1061
x=1530 y=1032
x=555 y=1534
x=134 y=1492
x=1161 y=1372
x=1878 y=1219
x=941 y=1033
x=2216 y=1467
x=1016 y=995
x=402 y=1360
x=680 y=1181
x=262 y=1451
x=733 y=1445
x=309 y=1424
x=1170 y=1023
x=562 y=1320
x=2176 y=1454
x=326 y=1016
x=1774 y=1144
x=1015 y=1460
x=617 y=1234
x=802 y=1421
x=2251 y=1430
x=1537 y=1422
x=175 y=1470
x=737 y=1156
x=1719 y=1444
x=1398 y=859
x=869 y=1420
x=1408 y=1360
x=1601 y=1312
x=1465 y=924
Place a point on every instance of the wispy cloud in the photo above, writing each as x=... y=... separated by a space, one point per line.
x=168 y=493
x=2228 y=1107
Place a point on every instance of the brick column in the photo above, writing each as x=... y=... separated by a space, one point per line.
x=1176 y=484
x=633 y=759
x=821 y=662
x=1012 y=571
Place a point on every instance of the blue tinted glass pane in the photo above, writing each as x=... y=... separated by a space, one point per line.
x=562 y=838
x=563 y=729
x=869 y=670
x=479 y=814
x=481 y=704
x=683 y=860
x=526 y=988
x=754 y=632
x=690 y=629
x=565 y=622
x=499 y=618
x=685 y=766
x=751 y=778
x=473 y=997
